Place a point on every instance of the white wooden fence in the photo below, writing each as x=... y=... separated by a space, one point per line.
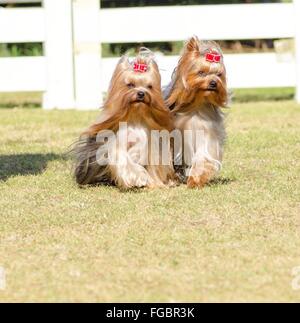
x=73 y=75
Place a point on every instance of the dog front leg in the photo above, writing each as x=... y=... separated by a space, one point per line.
x=206 y=163
x=127 y=174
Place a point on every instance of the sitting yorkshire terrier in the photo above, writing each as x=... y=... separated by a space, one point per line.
x=195 y=96
x=134 y=107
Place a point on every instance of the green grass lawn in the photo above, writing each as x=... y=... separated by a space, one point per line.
x=236 y=240
x=34 y=99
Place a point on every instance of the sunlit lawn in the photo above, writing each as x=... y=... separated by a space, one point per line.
x=237 y=239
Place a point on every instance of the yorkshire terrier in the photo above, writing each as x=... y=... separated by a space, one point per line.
x=195 y=96
x=134 y=108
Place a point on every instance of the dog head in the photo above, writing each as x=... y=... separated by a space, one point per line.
x=135 y=95
x=200 y=76
x=136 y=84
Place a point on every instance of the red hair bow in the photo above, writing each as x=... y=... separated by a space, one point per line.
x=138 y=67
x=213 y=56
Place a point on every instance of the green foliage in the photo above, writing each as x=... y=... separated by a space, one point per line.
x=15 y=50
x=116 y=50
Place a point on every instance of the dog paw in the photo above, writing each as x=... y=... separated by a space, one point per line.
x=196 y=181
x=137 y=180
x=142 y=180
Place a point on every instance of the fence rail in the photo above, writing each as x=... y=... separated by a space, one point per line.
x=243 y=21
x=21 y=25
x=221 y=22
x=72 y=73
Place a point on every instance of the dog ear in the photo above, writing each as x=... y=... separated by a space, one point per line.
x=153 y=65
x=122 y=66
x=124 y=63
x=192 y=45
x=145 y=54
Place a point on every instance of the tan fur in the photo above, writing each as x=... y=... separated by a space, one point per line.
x=122 y=105
x=197 y=108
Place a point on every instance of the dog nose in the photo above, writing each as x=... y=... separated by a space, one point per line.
x=213 y=84
x=141 y=95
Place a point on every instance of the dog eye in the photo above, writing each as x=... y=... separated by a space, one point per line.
x=131 y=85
x=220 y=74
x=150 y=87
x=202 y=74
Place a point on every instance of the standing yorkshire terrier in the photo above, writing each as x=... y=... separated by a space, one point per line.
x=196 y=94
x=135 y=102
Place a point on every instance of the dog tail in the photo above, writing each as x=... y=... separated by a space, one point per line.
x=86 y=168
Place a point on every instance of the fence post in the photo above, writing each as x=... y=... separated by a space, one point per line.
x=87 y=54
x=297 y=47
x=60 y=92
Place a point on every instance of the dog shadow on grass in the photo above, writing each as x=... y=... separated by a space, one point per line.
x=221 y=181
x=25 y=164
